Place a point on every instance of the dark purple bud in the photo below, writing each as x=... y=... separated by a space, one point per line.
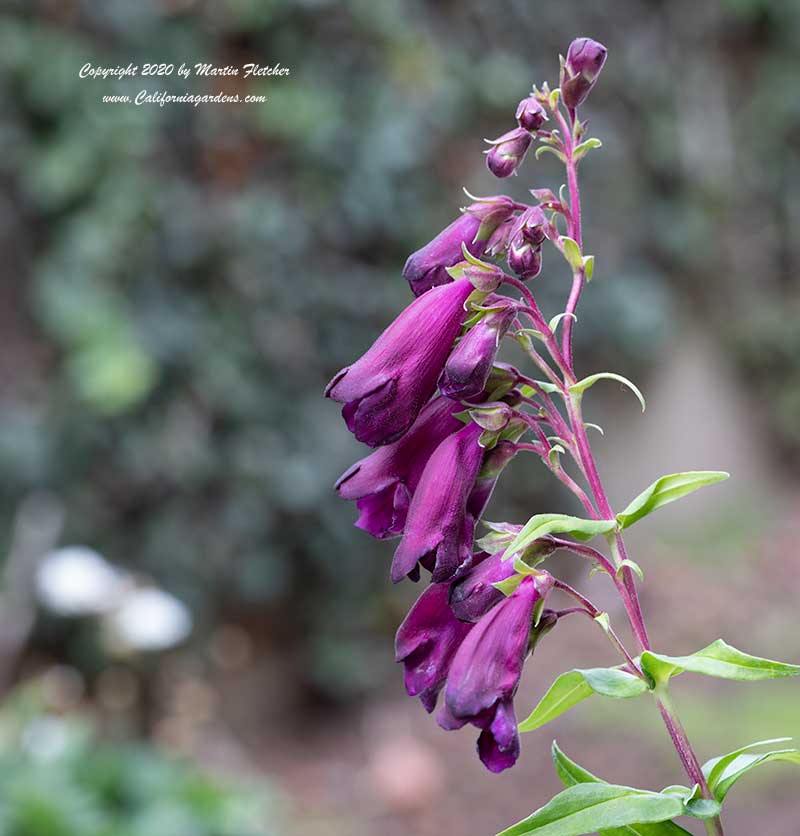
x=440 y=527
x=530 y=114
x=507 y=152
x=427 y=641
x=491 y=211
x=383 y=483
x=427 y=267
x=530 y=226
x=467 y=370
x=585 y=59
x=485 y=673
x=384 y=391
x=525 y=259
x=473 y=596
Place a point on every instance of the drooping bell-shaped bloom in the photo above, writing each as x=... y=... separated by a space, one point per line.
x=485 y=672
x=467 y=369
x=472 y=596
x=440 y=526
x=530 y=114
x=384 y=391
x=585 y=59
x=426 y=642
x=382 y=483
x=427 y=267
x=507 y=152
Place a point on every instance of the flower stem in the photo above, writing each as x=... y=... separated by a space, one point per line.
x=627 y=588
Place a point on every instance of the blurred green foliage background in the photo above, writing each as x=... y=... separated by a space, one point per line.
x=179 y=283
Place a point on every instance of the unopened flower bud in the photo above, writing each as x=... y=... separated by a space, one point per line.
x=525 y=259
x=585 y=59
x=530 y=114
x=507 y=152
x=531 y=225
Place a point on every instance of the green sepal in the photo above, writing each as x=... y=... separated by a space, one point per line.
x=665 y=490
x=582 y=385
x=554 y=322
x=577 y=685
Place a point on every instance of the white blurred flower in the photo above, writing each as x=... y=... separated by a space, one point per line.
x=148 y=619
x=76 y=580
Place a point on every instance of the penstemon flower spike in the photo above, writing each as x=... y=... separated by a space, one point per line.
x=446 y=417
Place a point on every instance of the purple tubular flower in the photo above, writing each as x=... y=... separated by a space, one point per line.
x=473 y=596
x=585 y=59
x=426 y=642
x=440 y=526
x=507 y=152
x=530 y=114
x=485 y=673
x=382 y=483
x=427 y=267
x=384 y=391
x=467 y=369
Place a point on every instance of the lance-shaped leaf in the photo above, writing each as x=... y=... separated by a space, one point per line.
x=723 y=772
x=572 y=773
x=582 y=385
x=541 y=524
x=593 y=807
x=575 y=686
x=665 y=490
x=719 y=659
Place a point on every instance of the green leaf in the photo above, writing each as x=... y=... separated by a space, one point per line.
x=743 y=763
x=718 y=659
x=719 y=770
x=541 y=524
x=631 y=564
x=586 y=146
x=572 y=252
x=667 y=489
x=542 y=148
x=572 y=773
x=575 y=686
x=590 y=807
x=588 y=267
x=554 y=322
x=582 y=385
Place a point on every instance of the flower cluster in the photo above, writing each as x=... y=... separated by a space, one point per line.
x=445 y=418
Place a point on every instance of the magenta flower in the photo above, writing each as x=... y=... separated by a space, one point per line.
x=440 y=526
x=384 y=391
x=426 y=642
x=427 y=267
x=469 y=365
x=485 y=672
x=382 y=483
x=585 y=59
x=507 y=152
